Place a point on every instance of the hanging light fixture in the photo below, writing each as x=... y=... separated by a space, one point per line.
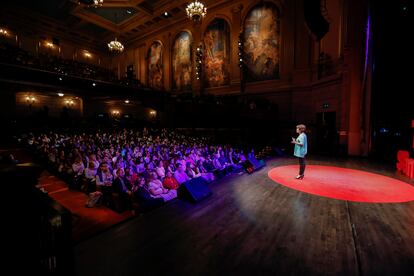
x=196 y=10
x=115 y=46
x=97 y=3
x=91 y=3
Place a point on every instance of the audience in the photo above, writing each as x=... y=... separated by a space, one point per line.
x=145 y=167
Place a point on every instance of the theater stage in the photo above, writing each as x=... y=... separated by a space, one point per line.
x=254 y=225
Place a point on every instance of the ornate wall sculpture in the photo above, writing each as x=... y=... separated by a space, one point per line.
x=262 y=43
x=216 y=54
x=181 y=62
x=155 y=66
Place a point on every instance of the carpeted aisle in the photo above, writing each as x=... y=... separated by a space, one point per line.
x=86 y=222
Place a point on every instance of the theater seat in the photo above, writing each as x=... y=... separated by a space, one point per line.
x=402 y=158
x=410 y=168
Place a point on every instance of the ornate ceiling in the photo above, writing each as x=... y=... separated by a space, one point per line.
x=81 y=23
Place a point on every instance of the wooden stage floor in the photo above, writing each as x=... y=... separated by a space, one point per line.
x=254 y=226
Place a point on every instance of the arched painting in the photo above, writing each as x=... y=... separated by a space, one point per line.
x=181 y=61
x=216 y=54
x=155 y=72
x=261 y=43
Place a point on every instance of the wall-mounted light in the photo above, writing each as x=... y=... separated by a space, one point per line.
x=93 y=84
x=4 y=32
x=126 y=101
x=115 y=112
x=60 y=94
x=69 y=102
x=49 y=45
x=87 y=54
x=30 y=99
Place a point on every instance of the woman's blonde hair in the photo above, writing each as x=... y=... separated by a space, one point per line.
x=302 y=128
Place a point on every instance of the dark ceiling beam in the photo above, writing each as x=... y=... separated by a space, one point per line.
x=95 y=19
x=21 y=21
x=165 y=24
x=139 y=20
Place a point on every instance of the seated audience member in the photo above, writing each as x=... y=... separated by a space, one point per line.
x=130 y=176
x=104 y=181
x=170 y=166
x=208 y=164
x=117 y=166
x=158 y=191
x=140 y=168
x=193 y=156
x=160 y=170
x=90 y=173
x=143 y=196
x=146 y=172
x=191 y=171
x=242 y=157
x=170 y=182
x=120 y=187
x=180 y=175
x=120 y=184
x=251 y=154
x=220 y=169
x=78 y=170
x=92 y=158
x=64 y=167
x=223 y=158
x=204 y=173
x=216 y=162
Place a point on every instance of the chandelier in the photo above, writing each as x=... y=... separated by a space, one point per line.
x=97 y=3
x=115 y=46
x=196 y=10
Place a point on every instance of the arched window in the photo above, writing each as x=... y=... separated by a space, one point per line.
x=216 y=54
x=262 y=43
x=155 y=66
x=181 y=62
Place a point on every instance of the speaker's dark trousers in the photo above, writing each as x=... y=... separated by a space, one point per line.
x=302 y=165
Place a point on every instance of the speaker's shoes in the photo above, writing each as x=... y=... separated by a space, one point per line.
x=300 y=176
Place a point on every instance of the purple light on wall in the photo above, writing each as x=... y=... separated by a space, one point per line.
x=368 y=33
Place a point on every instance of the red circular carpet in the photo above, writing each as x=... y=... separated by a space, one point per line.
x=344 y=184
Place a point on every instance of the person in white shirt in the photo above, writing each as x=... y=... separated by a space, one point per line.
x=157 y=190
x=160 y=170
x=90 y=173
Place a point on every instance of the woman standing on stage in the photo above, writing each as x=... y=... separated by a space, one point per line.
x=301 y=148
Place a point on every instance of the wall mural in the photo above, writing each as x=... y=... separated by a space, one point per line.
x=216 y=54
x=181 y=62
x=261 y=43
x=155 y=76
